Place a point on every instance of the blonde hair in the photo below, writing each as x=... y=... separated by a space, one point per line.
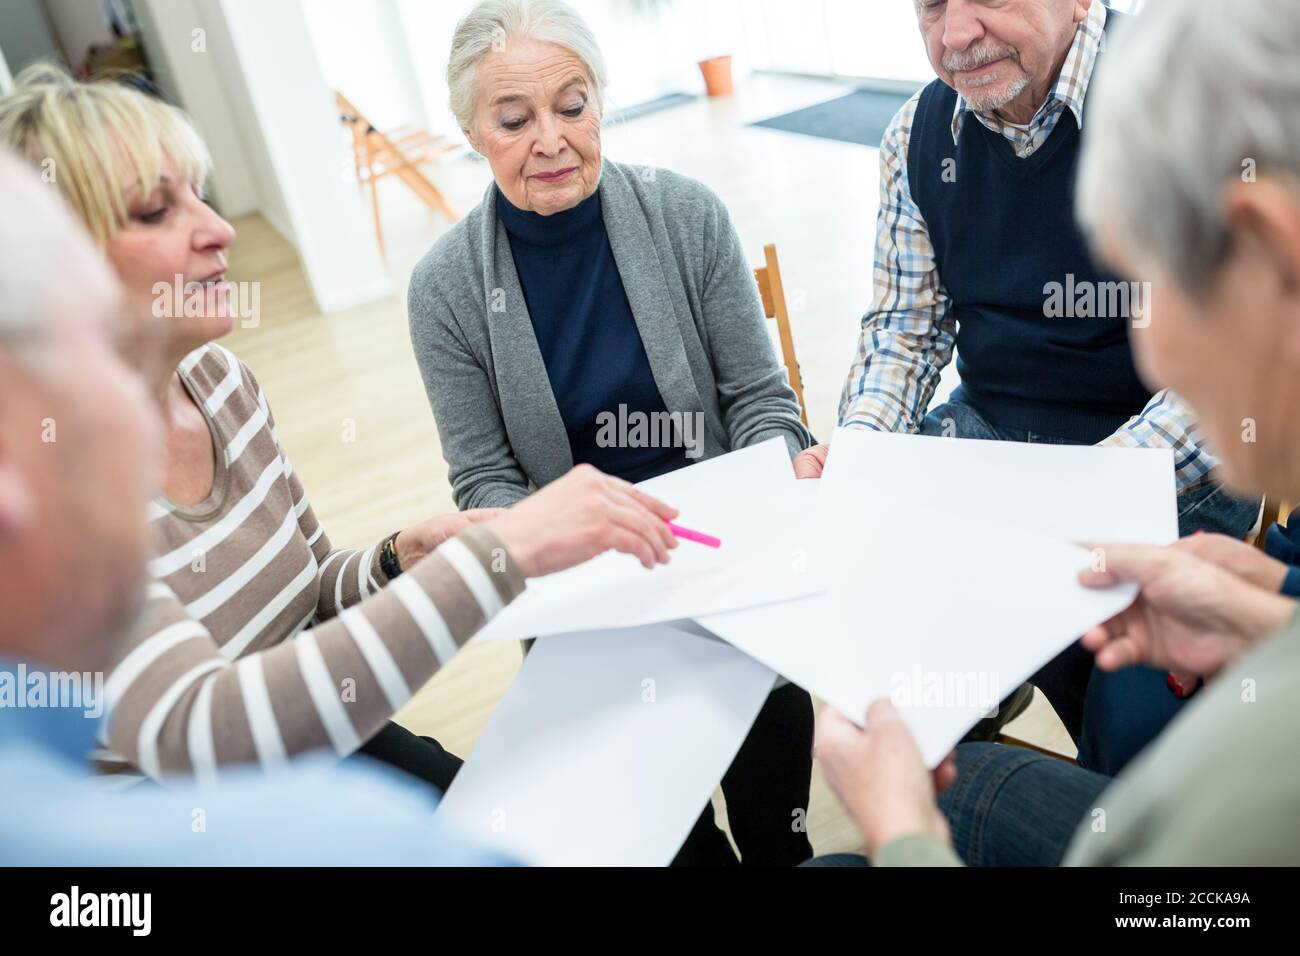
x=98 y=141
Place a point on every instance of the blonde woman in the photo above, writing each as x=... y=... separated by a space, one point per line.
x=261 y=639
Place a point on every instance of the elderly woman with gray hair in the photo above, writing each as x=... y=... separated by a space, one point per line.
x=1190 y=179
x=581 y=306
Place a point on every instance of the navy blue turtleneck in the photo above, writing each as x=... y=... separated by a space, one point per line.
x=594 y=356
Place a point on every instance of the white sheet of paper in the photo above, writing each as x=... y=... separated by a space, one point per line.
x=940 y=610
x=746 y=498
x=607 y=746
x=1080 y=493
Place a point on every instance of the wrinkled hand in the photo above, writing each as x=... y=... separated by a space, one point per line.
x=418 y=540
x=583 y=514
x=878 y=774
x=1238 y=557
x=1190 y=616
x=811 y=463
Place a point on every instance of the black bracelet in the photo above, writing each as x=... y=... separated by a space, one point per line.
x=388 y=562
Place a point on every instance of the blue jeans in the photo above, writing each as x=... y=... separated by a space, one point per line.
x=1110 y=716
x=1009 y=807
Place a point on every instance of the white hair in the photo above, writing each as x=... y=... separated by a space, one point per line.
x=1190 y=96
x=39 y=241
x=29 y=241
x=487 y=27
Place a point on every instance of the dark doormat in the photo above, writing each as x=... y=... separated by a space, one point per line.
x=637 y=110
x=859 y=117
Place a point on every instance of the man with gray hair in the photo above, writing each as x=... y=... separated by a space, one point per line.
x=1199 y=115
x=79 y=459
x=977 y=253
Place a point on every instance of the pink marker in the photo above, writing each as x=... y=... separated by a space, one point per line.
x=699 y=537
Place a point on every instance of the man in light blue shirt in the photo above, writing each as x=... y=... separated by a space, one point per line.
x=320 y=813
x=79 y=450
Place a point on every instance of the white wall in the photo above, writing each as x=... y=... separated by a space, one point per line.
x=878 y=40
x=651 y=50
x=793 y=36
x=248 y=74
x=365 y=56
x=655 y=52
x=253 y=164
x=25 y=34
x=78 y=24
x=294 y=109
x=197 y=75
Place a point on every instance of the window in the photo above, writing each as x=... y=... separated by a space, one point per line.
x=870 y=39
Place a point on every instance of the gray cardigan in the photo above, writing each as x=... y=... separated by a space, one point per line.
x=695 y=303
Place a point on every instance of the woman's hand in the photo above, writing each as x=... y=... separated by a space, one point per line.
x=878 y=774
x=810 y=463
x=418 y=540
x=1238 y=557
x=581 y=515
x=1190 y=616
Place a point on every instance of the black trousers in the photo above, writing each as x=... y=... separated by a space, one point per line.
x=421 y=757
x=766 y=789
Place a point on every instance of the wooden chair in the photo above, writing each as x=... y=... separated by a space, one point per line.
x=399 y=152
x=1275 y=509
x=772 y=292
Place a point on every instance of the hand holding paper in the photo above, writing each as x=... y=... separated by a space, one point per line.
x=747 y=499
x=936 y=574
x=879 y=776
x=951 y=572
x=1191 y=616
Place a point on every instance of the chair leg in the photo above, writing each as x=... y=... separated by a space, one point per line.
x=427 y=191
x=374 y=201
x=379 y=226
x=415 y=180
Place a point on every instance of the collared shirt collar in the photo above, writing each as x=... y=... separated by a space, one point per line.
x=1071 y=85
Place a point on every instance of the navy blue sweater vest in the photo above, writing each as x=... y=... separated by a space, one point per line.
x=1042 y=329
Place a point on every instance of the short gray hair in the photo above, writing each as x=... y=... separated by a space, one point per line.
x=39 y=241
x=1192 y=95
x=28 y=253
x=486 y=28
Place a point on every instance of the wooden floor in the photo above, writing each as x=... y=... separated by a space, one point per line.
x=351 y=409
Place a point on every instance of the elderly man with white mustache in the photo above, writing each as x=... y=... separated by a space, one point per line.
x=1190 y=100
x=977 y=252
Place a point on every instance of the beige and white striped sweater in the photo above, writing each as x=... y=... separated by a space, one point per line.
x=259 y=640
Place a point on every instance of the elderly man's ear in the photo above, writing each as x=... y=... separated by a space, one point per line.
x=1263 y=219
x=17 y=508
x=17 y=503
